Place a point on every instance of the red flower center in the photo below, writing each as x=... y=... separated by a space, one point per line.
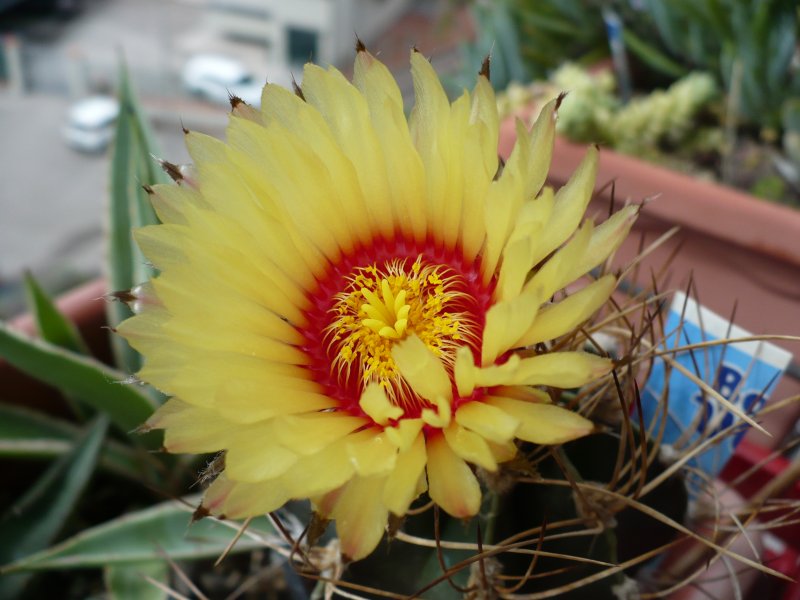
x=377 y=296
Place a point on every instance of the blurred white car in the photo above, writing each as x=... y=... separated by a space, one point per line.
x=217 y=78
x=90 y=123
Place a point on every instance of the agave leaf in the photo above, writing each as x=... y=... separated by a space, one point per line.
x=28 y=434
x=780 y=50
x=120 y=242
x=574 y=11
x=55 y=328
x=651 y=56
x=508 y=41
x=718 y=18
x=130 y=581
x=552 y=24
x=83 y=377
x=132 y=166
x=147 y=535
x=33 y=522
x=52 y=325
x=666 y=25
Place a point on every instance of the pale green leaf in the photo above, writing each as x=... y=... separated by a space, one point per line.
x=35 y=519
x=85 y=378
x=130 y=581
x=55 y=328
x=132 y=167
x=147 y=535
x=28 y=434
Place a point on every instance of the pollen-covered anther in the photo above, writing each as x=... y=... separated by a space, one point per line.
x=171 y=169
x=381 y=307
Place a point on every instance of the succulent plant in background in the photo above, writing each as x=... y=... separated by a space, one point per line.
x=670 y=37
x=591 y=112
x=717 y=35
x=662 y=118
x=748 y=47
x=590 y=104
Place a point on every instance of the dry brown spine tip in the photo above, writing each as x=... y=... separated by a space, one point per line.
x=298 y=91
x=560 y=99
x=145 y=428
x=394 y=524
x=172 y=170
x=486 y=67
x=149 y=190
x=360 y=47
x=345 y=560
x=316 y=528
x=235 y=101
x=501 y=164
x=416 y=50
x=123 y=295
x=201 y=512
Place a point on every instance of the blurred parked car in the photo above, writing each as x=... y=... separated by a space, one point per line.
x=216 y=78
x=90 y=123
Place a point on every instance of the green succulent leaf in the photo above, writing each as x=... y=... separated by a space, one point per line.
x=551 y=23
x=27 y=434
x=55 y=328
x=94 y=383
x=130 y=581
x=651 y=56
x=132 y=167
x=34 y=521
x=144 y=536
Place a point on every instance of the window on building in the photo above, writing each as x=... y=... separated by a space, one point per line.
x=302 y=45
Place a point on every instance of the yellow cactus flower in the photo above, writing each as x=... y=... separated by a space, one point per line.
x=349 y=301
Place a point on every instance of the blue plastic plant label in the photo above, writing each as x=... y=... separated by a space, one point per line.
x=743 y=375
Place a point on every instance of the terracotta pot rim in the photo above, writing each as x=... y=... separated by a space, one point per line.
x=726 y=213
x=680 y=199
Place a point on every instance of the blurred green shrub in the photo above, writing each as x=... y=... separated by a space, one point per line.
x=669 y=38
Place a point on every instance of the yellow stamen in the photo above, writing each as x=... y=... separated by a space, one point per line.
x=382 y=306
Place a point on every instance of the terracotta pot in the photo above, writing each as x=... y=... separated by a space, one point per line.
x=740 y=250
x=84 y=306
